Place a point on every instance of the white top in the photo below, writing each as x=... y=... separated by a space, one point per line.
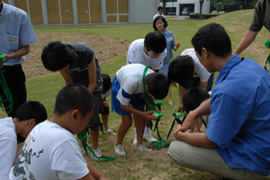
x=8 y=146
x=199 y=70
x=136 y=54
x=49 y=152
x=130 y=78
x=156 y=15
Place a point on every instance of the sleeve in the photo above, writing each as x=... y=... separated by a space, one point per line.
x=69 y=165
x=8 y=148
x=228 y=115
x=88 y=53
x=128 y=88
x=27 y=34
x=173 y=41
x=257 y=21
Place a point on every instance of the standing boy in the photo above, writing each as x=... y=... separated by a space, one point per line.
x=127 y=99
x=51 y=150
x=77 y=63
x=149 y=51
x=27 y=116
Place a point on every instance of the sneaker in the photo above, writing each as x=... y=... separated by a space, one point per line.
x=108 y=131
x=149 y=138
x=142 y=147
x=119 y=149
x=135 y=138
x=97 y=153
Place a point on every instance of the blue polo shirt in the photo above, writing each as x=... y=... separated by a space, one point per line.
x=240 y=115
x=16 y=30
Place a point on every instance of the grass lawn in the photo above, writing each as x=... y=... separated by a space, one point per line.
x=142 y=165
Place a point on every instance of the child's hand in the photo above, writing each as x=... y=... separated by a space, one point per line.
x=148 y=115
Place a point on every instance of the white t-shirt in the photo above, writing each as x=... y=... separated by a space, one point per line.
x=199 y=70
x=50 y=152
x=136 y=54
x=156 y=15
x=8 y=146
x=130 y=78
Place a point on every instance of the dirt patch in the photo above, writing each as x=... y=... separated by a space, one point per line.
x=106 y=48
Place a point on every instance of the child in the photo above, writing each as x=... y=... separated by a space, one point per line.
x=127 y=99
x=51 y=150
x=149 y=51
x=160 y=25
x=188 y=72
x=104 y=107
x=26 y=117
x=192 y=99
x=77 y=63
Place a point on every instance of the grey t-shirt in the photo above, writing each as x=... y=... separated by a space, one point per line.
x=261 y=16
x=79 y=69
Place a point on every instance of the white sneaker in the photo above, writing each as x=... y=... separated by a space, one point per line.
x=97 y=153
x=149 y=138
x=142 y=147
x=108 y=131
x=119 y=149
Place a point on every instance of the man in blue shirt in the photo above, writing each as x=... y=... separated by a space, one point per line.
x=16 y=34
x=236 y=144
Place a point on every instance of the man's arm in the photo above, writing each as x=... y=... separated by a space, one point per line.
x=24 y=50
x=195 y=139
x=246 y=40
x=92 y=73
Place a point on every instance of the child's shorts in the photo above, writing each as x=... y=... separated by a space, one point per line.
x=137 y=100
x=94 y=121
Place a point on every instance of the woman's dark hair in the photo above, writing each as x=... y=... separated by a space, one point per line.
x=162 y=19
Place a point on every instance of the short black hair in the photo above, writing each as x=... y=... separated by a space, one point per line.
x=162 y=19
x=74 y=96
x=56 y=55
x=158 y=85
x=214 y=38
x=31 y=110
x=106 y=82
x=193 y=98
x=159 y=8
x=155 y=41
x=181 y=71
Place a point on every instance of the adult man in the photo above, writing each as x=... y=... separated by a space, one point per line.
x=159 y=12
x=16 y=35
x=261 y=18
x=236 y=144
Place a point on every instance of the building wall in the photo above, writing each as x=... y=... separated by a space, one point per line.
x=194 y=3
x=87 y=11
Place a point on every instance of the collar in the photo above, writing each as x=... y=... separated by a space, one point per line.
x=235 y=59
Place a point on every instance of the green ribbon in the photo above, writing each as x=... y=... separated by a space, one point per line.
x=156 y=115
x=8 y=96
x=83 y=136
x=177 y=117
x=267 y=44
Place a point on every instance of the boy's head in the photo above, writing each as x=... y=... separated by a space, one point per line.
x=181 y=70
x=32 y=113
x=193 y=98
x=154 y=44
x=56 y=55
x=214 y=38
x=160 y=9
x=79 y=102
x=107 y=84
x=157 y=84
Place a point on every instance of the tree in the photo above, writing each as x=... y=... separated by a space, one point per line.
x=219 y=6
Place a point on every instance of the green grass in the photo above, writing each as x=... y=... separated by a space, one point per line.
x=138 y=165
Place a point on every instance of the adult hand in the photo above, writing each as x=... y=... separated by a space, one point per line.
x=177 y=45
x=189 y=123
